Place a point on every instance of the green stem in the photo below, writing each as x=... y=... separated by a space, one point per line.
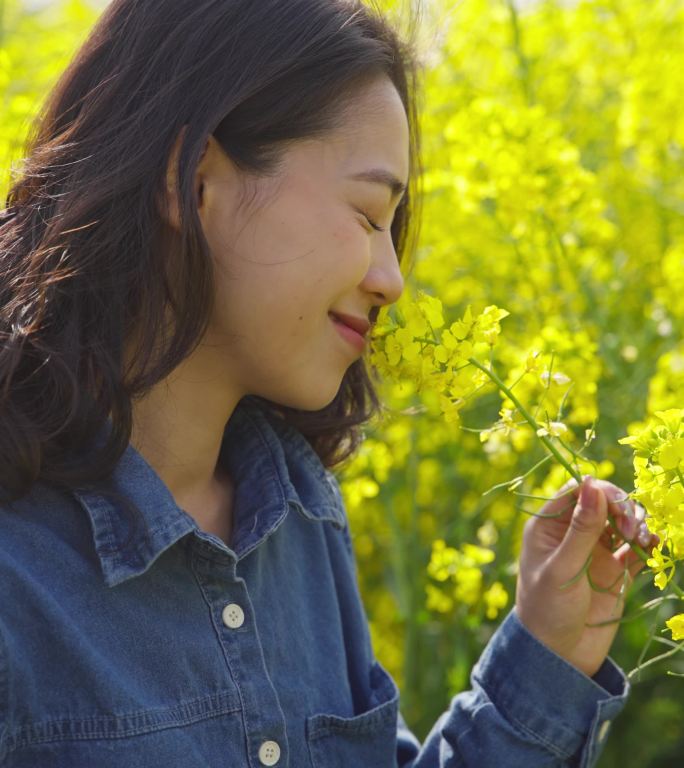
x=677 y=590
x=631 y=675
x=528 y=418
x=636 y=614
x=523 y=61
x=518 y=480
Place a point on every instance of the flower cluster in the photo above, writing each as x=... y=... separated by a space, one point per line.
x=555 y=378
x=462 y=569
x=420 y=349
x=658 y=466
x=658 y=449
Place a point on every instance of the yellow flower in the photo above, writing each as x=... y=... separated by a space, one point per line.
x=415 y=321
x=443 y=562
x=495 y=598
x=461 y=328
x=659 y=563
x=431 y=308
x=487 y=534
x=477 y=555
x=553 y=429
x=392 y=350
x=671 y=453
x=437 y=600
x=468 y=584
x=676 y=625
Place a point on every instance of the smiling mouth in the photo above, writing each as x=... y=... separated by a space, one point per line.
x=349 y=334
x=358 y=324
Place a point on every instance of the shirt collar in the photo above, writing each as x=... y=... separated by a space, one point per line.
x=135 y=518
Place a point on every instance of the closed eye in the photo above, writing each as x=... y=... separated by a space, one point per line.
x=373 y=224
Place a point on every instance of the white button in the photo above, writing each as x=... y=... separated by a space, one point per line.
x=269 y=753
x=233 y=616
x=603 y=730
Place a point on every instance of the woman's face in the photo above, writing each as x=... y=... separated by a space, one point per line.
x=304 y=249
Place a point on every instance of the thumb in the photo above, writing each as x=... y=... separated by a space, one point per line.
x=586 y=526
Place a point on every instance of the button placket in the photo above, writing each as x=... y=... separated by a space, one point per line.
x=264 y=720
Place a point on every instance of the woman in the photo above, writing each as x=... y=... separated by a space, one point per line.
x=216 y=201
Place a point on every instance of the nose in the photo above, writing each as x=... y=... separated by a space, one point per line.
x=384 y=276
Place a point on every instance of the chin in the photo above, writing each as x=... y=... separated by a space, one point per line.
x=314 y=400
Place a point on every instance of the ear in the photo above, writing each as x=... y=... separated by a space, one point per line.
x=167 y=204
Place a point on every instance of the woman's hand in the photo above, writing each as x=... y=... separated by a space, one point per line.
x=555 y=549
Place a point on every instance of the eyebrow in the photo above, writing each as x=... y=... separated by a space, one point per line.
x=381 y=176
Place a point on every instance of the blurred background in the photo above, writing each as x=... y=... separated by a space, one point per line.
x=553 y=136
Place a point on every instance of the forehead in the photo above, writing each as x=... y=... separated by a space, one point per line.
x=374 y=131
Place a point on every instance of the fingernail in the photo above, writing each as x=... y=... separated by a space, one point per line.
x=627 y=506
x=588 y=494
x=629 y=527
x=644 y=535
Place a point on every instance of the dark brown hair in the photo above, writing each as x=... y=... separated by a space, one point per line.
x=81 y=270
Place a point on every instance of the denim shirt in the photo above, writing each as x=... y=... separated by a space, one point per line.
x=138 y=641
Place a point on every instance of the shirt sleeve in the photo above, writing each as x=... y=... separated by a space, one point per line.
x=4 y=695
x=527 y=708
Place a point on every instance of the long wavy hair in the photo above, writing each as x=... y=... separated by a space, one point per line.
x=81 y=270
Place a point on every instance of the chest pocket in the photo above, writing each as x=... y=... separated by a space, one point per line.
x=367 y=739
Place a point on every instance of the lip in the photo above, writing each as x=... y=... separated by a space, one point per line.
x=349 y=334
x=358 y=324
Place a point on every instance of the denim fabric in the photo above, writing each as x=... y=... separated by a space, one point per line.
x=139 y=640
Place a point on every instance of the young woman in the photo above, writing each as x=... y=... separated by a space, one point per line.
x=215 y=194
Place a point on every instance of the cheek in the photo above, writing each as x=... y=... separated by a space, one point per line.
x=352 y=248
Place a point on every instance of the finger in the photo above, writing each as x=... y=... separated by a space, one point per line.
x=609 y=539
x=562 y=504
x=640 y=512
x=629 y=529
x=645 y=539
x=619 y=502
x=630 y=560
x=627 y=525
x=585 y=528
